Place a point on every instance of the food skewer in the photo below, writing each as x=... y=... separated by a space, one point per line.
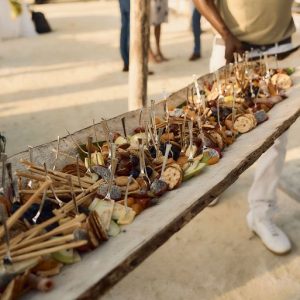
x=114 y=162
x=73 y=195
x=56 y=175
x=56 y=179
x=34 y=167
x=3 y=158
x=30 y=151
x=183 y=133
x=59 y=202
x=129 y=180
x=66 y=228
x=47 y=251
x=42 y=245
x=124 y=128
x=220 y=98
x=56 y=154
x=19 y=213
x=200 y=99
x=75 y=143
x=89 y=149
x=35 y=218
x=95 y=135
x=191 y=156
x=13 y=185
x=168 y=148
x=201 y=133
x=7 y=261
x=78 y=172
x=143 y=172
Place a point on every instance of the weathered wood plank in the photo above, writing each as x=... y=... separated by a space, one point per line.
x=105 y=266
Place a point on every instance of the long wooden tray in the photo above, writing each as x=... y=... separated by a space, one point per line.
x=102 y=268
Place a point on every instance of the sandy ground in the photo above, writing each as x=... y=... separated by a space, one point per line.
x=70 y=77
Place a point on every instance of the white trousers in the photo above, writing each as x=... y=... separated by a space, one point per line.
x=15 y=27
x=262 y=194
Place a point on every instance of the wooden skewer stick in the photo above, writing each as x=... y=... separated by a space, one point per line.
x=30 y=176
x=19 y=213
x=75 y=142
x=49 y=250
x=81 y=198
x=50 y=243
x=56 y=173
x=57 y=154
x=33 y=231
x=41 y=177
x=67 y=228
x=61 y=179
x=58 y=192
x=73 y=196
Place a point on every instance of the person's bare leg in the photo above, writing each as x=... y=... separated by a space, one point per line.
x=157 y=32
x=152 y=56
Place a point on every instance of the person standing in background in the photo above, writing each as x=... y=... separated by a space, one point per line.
x=262 y=27
x=196 y=27
x=125 y=32
x=158 y=15
x=15 y=20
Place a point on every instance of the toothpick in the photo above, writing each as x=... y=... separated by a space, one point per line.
x=57 y=153
x=75 y=143
x=73 y=195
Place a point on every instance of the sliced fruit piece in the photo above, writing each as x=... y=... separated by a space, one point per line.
x=127 y=218
x=138 y=208
x=158 y=187
x=210 y=156
x=261 y=116
x=118 y=211
x=191 y=150
x=282 y=81
x=134 y=140
x=114 y=229
x=120 y=140
x=67 y=257
x=193 y=170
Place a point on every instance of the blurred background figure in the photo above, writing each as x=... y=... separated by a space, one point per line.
x=15 y=20
x=196 y=27
x=125 y=31
x=159 y=15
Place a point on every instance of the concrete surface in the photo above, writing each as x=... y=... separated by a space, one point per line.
x=67 y=78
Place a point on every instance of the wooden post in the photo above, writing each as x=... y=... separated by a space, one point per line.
x=139 y=47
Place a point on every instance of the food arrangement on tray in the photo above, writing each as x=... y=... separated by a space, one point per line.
x=49 y=216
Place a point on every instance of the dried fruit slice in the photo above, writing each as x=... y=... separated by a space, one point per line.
x=282 y=81
x=243 y=124
x=158 y=187
x=217 y=138
x=210 y=156
x=193 y=170
x=172 y=176
x=261 y=116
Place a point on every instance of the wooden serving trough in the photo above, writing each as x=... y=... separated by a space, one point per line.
x=105 y=266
